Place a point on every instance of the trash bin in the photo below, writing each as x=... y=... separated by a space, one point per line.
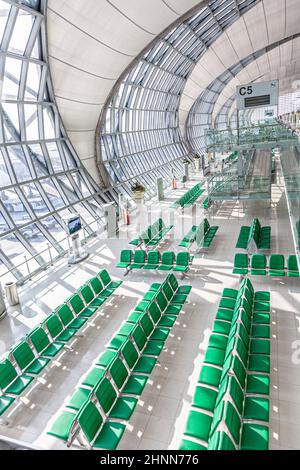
x=2 y=304
x=11 y=293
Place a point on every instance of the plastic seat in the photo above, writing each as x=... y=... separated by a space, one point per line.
x=182 y=262
x=11 y=382
x=153 y=260
x=258 y=265
x=26 y=360
x=276 y=265
x=167 y=261
x=125 y=259
x=139 y=258
x=240 y=264
x=42 y=344
x=292 y=266
x=56 y=329
x=99 y=434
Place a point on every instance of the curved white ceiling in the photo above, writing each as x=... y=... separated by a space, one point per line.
x=267 y=22
x=282 y=63
x=90 y=43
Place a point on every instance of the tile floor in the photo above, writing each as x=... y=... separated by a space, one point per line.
x=159 y=418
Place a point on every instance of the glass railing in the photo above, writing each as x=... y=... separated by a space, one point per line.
x=290 y=163
x=29 y=266
x=259 y=134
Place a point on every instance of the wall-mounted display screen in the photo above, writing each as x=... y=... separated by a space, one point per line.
x=74 y=225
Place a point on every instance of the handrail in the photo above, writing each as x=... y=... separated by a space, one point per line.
x=60 y=253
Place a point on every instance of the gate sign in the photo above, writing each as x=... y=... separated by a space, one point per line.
x=257 y=95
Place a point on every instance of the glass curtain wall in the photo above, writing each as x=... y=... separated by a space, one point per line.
x=41 y=179
x=139 y=133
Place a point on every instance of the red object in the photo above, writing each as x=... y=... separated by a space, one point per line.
x=126 y=218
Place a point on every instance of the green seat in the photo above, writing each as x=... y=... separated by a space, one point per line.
x=292 y=266
x=222 y=327
x=89 y=297
x=106 y=358
x=262 y=295
x=209 y=235
x=93 y=376
x=218 y=341
x=125 y=259
x=56 y=330
x=139 y=258
x=42 y=344
x=256 y=408
x=26 y=359
x=68 y=319
x=258 y=265
x=214 y=356
x=79 y=398
x=204 y=398
x=10 y=382
x=259 y=363
x=167 y=261
x=189 y=238
x=240 y=264
x=153 y=260
x=123 y=408
x=254 y=437
x=227 y=303
x=231 y=293
x=5 y=403
x=198 y=425
x=261 y=317
x=264 y=242
x=210 y=376
x=129 y=353
x=100 y=435
x=276 y=265
x=224 y=314
x=233 y=421
x=63 y=425
x=258 y=384
x=109 y=286
x=220 y=441
x=131 y=385
x=182 y=262
x=117 y=341
x=79 y=308
x=105 y=394
x=96 y=286
x=242 y=241
x=260 y=346
x=260 y=331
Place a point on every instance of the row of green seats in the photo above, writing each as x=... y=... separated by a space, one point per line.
x=260 y=235
x=230 y=407
x=205 y=234
x=261 y=265
x=190 y=197
x=106 y=397
x=31 y=355
x=152 y=235
x=166 y=261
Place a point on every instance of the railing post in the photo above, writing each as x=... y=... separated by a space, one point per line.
x=50 y=254
x=27 y=265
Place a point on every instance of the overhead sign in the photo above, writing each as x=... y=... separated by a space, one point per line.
x=257 y=95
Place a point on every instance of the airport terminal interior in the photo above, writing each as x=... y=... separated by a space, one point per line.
x=150 y=225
